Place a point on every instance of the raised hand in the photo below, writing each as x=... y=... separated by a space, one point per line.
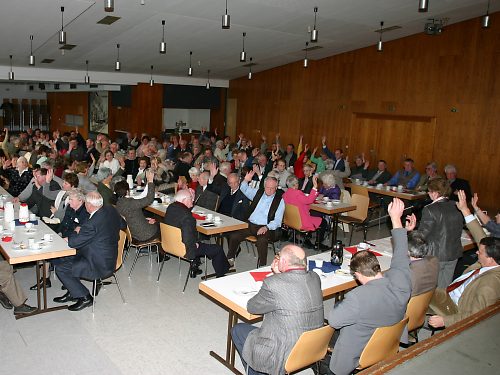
x=249 y=176
x=306 y=148
x=256 y=169
x=314 y=151
x=315 y=181
x=323 y=140
x=395 y=209
x=49 y=176
x=474 y=201
x=150 y=176
x=367 y=164
x=411 y=222
x=462 y=203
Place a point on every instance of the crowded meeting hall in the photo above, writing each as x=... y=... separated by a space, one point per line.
x=248 y=187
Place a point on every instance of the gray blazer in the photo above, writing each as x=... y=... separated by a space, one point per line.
x=292 y=303
x=378 y=303
x=424 y=274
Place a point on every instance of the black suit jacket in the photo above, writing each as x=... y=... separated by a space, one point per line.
x=131 y=167
x=240 y=205
x=205 y=198
x=97 y=244
x=179 y=216
x=308 y=186
x=382 y=179
x=460 y=184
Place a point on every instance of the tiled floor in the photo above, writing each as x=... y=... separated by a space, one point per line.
x=158 y=331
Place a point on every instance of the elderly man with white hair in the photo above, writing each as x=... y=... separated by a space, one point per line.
x=96 y=244
x=456 y=183
x=19 y=177
x=179 y=215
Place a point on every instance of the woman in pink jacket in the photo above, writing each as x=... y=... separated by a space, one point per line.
x=296 y=197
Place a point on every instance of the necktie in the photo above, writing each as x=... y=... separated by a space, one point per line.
x=305 y=183
x=457 y=284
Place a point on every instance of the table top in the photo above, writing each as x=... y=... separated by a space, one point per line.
x=410 y=195
x=49 y=249
x=334 y=209
x=234 y=291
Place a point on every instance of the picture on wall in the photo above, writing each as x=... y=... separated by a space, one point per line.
x=98 y=112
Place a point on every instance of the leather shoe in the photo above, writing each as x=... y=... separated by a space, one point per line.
x=81 y=303
x=195 y=271
x=163 y=257
x=65 y=298
x=24 y=309
x=307 y=243
x=48 y=284
x=5 y=302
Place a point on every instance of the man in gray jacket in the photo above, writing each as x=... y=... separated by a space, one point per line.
x=291 y=302
x=380 y=300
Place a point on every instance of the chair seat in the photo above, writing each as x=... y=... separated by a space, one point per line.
x=251 y=239
x=373 y=205
x=154 y=241
x=350 y=220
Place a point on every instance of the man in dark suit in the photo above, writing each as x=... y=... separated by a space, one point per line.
x=96 y=244
x=232 y=200
x=290 y=155
x=291 y=302
x=306 y=183
x=203 y=196
x=337 y=156
x=379 y=176
x=380 y=300
x=179 y=215
x=456 y=183
x=131 y=164
x=182 y=166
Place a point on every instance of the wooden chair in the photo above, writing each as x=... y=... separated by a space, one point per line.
x=362 y=190
x=310 y=348
x=416 y=310
x=383 y=344
x=139 y=245
x=119 y=263
x=358 y=217
x=253 y=241
x=292 y=220
x=171 y=241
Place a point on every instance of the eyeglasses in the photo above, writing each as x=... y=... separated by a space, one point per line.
x=277 y=257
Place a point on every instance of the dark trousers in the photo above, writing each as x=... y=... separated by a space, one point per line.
x=216 y=254
x=235 y=239
x=239 y=334
x=64 y=271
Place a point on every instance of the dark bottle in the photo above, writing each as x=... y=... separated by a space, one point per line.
x=337 y=255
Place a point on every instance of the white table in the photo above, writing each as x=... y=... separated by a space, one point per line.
x=334 y=210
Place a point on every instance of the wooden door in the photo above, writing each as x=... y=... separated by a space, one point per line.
x=231 y=111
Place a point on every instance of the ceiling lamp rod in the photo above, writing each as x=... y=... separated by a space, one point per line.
x=485 y=21
x=226 y=20
x=87 y=77
x=306 y=61
x=118 y=65
x=208 y=80
x=423 y=6
x=32 y=57
x=250 y=69
x=380 y=47
x=151 y=80
x=243 y=54
x=163 y=45
x=314 y=32
x=190 y=70
x=62 y=33
x=109 y=5
x=11 y=73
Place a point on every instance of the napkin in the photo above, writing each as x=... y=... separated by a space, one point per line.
x=198 y=217
x=7 y=238
x=18 y=224
x=260 y=275
x=326 y=268
x=353 y=250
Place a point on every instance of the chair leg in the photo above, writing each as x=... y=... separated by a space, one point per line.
x=160 y=268
x=94 y=289
x=187 y=277
x=119 y=289
x=352 y=231
x=206 y=265
x=137 y=251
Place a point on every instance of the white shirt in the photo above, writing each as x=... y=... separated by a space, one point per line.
x=457 y=293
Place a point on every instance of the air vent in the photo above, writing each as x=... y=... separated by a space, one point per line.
x=56 y=86
x=312 y=48
x=47 y=61
x=386 y=29
x=68 y=47
x=94 y=86
x=108 y=20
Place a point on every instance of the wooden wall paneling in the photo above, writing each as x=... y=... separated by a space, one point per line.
x=217 y=115
x=68 y=103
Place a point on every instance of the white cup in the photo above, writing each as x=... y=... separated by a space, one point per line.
x=31 y=243
x=319 y=263
x=217 y=219
x=329 y=203
x=357 y=181
x=326 y=199
x=387 y=188
x=32 y=217
x=210 y=217
x=400 y=187
x=155 y=203
x=28 y=226
x=380 y=186
x=363 y=246
x=394 y=188
x=48 y=237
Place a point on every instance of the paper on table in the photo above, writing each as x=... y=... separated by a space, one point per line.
x=260 y=276
x=353 y=250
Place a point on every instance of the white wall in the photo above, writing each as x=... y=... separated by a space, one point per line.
x=194 y=118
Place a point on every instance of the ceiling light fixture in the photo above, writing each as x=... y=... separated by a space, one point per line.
x=151 y=80
x=226 y=20
x=314 y=32
x=118 y=64
x=250 y=69
x=163 y=45
x=243 y=54
x=306 y=61
x=208 y=80
x=190 y=70
x=485 y=21
x=32 y=57
x=11 y=73
x=62 y=33
x=109 y=5
x=423 y=6
x=143 y=2
x=380 y=47
x=87 y=77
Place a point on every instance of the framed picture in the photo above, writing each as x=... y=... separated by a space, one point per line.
x=98 y=112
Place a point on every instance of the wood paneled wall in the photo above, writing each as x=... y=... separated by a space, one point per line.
x=68 y=103
x=452 y=78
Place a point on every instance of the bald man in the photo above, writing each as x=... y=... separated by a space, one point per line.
x=291 y=302
x=179 y=215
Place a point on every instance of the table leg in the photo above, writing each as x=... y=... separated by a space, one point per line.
x=335 y=220
x=230 y=348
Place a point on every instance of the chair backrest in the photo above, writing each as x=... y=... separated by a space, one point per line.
x=345 y=196
x=358 y=189
x=171 y=240
x=417 y=307
x=291 y=218
x=121 y=247
x=311 y=347
x=383 y=344
x=129 y=235
x=361 y=203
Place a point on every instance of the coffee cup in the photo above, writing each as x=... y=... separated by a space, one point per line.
x=210 y=217
x=48 y=237
x=379 y=186
x=329 y=203
x=319 y=263
x=31 y=243
x=28 y=226
x=155 y=203
x=394 y=188
x=357 y=181
x=363 y=246
x=326 y=199
x=387 y=188
x=32 y=217
x=217 y=219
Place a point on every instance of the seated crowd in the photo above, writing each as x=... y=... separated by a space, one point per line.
x=79 y=187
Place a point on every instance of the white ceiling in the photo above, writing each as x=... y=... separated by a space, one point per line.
x=276 y=31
